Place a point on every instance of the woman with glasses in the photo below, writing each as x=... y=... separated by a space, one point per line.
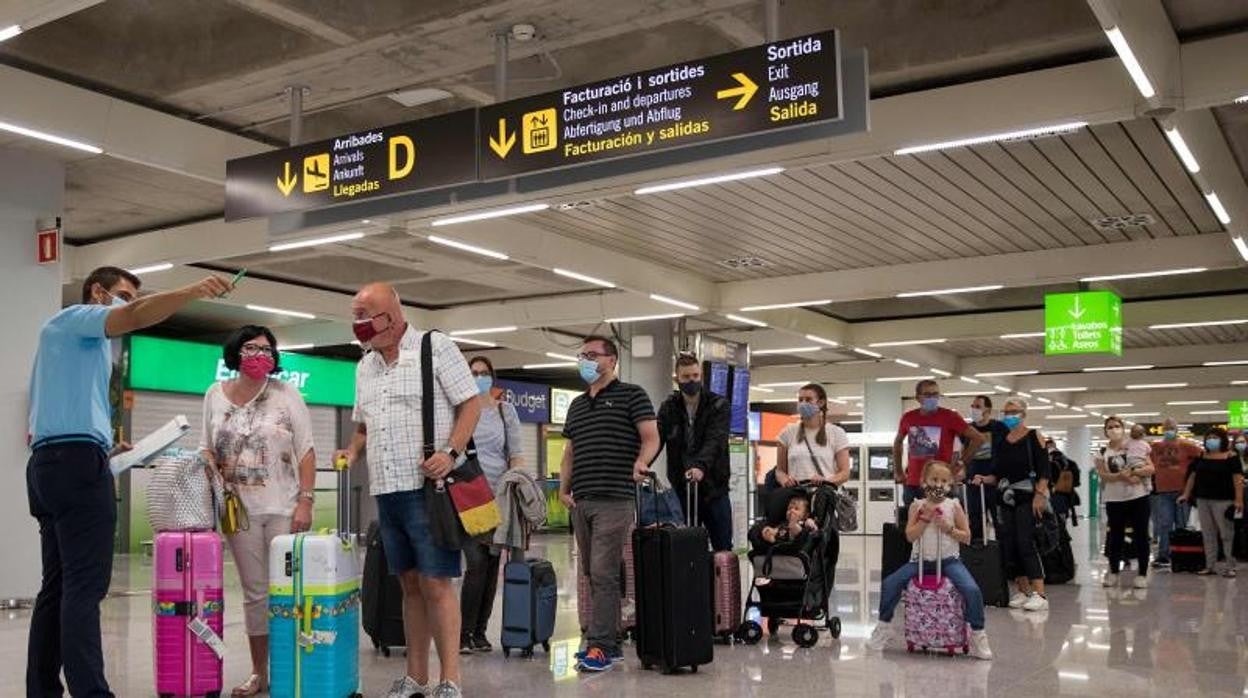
x=1126 y=486
x=258 y=436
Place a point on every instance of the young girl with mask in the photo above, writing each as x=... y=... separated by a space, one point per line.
x=1216 y=482
x=936 y=523
x=813 y=449
x=1126 y=485
x=1021 y=472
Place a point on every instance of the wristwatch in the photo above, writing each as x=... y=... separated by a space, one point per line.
x=308 y=495
x=450 y=451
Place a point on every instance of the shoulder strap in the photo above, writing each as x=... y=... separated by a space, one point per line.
x=814 y=459
x=506 y=443
x=426 y=392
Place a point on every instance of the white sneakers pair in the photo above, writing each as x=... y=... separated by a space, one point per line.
x=1029 y=602
x=407 y=687
x=1111 y=580
x=884 y=633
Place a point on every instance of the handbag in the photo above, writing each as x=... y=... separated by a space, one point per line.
x=182 y=494
x=461 y=505
x=845 y=509
x=233 y=514
x=658 y=506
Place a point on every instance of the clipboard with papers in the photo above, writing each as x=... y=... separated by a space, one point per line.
x=147 y=447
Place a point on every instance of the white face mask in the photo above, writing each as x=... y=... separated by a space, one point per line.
x=1114 y=433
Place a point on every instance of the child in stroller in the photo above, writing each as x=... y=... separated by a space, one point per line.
x=794 y=554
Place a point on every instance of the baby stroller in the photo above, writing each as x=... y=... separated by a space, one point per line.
x=794 y=579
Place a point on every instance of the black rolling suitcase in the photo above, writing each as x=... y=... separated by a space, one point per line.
x=983 y=559
x=675 y=617
x=1187 y=550
x=381 y=597
x=895 y=547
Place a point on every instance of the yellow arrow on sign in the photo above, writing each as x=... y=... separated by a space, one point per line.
x=745 y=91
x=287 y=184
x=503 y=145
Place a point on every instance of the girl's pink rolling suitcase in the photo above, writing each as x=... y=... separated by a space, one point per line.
x=935 y=619
x=187 y=613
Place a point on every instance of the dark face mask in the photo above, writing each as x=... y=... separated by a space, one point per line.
x=691 y=388
x=365 y=331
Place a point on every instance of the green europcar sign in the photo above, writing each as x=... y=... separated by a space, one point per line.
x=1083 y=323
x=1238 y=414
x=176 y=366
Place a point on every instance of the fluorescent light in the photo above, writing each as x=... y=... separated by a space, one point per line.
x=484 y=330
x=996 y=374
x=1145 y=275
x=1102 y=369
x=787 y=350
x=781 y=306
x=703 y=181
x=280 y=311
x=9 y=32
x=40 y=135
x=644 y=318
x=1076 y=408
x=1076 y=389
x=784 y=384
x=1044 y=400
x=1003 y=388
x=473 y=342
x=941 y=372
x=850 y=421
x=761 y=389
x=994 y=137
x=908 y=342
x=745 y=320
x=1193 y=402
x=1180 y=147
x=151 y=268
x=1061 y=405
x=1128 y=59
x=1074 y=675
x=1021 y=393
x=467 y=248
x=908 y=364
x=1211 y=323
x=1156 y=386
x=868 y=352
x=1104 y=405
x=313 y=242
x=966 y=379
x=673 y=301
x=561 y=357
x=848 y=398
x=1239 y=382
x=1241 y=245
x=1039 y=408
x=1022 y=335
x=970 y=394
x=1209 y=412
x=821 y=340
x=297 y=347
x=1218 y=209
x=583 y=277
x=1236 y=362
x=946 y=291
x=561 y=364
x=1140 y=414
x=1243 y=99
x=487 y=215
x=902 y=379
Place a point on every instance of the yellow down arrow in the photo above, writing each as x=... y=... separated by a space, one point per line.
x=745 y=91
x=505 y=143
x=287 y=183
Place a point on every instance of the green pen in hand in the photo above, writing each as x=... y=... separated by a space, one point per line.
x=234 y=281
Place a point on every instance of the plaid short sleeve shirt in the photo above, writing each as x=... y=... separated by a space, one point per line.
x=388 y=404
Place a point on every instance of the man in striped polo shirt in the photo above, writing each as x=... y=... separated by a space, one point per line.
x=612 y=437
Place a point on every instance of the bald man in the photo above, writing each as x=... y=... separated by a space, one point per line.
x=389 y=424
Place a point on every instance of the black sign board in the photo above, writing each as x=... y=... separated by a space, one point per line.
x=425 y=154
x=795 y=82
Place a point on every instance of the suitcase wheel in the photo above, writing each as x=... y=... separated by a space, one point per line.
x=213 y=694
x=506 y=651
x=834 y=627
x=910 y=647
x=805 y=635
x=694 y=668
x=546 y=646
x=966 y=649
x=667 y=669
x=527 y=653
x=750 y=632
x=949 y=650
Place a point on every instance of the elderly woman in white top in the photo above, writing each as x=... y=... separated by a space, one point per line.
x=258 y=436
x=497 y=438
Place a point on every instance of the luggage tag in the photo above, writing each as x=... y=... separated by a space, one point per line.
x=208 y=636
x=316 y=637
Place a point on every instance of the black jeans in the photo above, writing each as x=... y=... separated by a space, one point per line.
x=476 y=598
x=1018 y=544
x=975 y=513
x=71 y=495
x=1135 y=513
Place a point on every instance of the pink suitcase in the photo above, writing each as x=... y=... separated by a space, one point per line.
x=934 y=613
x=187 y=588
x=628 y=599
x=727 y=567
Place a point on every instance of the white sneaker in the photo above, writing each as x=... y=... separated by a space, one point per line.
x=979 y=645
x=447 y=689
x=1018 y=600
x=881 y=636
x=1109 y=580
x=407 y=687
x=1140 y=582
x=1036 y=602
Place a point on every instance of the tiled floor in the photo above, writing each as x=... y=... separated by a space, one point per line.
x=1187 y=636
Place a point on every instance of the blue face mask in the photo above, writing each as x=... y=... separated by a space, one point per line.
x=1169 y=435
x=1241 y=446
x=1011 y=421
x=807 y=409
x=1213 y=445
x=484 y=383
x=588 y=370
x=117 y=301
x=929 y=404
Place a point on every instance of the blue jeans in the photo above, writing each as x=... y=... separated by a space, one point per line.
x=1168 y=515
x=952 y=568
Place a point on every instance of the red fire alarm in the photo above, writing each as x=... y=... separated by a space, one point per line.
x=49 y=242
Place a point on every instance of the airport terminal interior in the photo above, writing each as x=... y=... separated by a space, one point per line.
x=1040 y=203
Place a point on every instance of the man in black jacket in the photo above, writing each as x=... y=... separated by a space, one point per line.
x=693 y=425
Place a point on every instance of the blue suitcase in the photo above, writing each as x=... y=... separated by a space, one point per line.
x=530 y=595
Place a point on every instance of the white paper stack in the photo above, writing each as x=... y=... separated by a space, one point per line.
x=150 y=445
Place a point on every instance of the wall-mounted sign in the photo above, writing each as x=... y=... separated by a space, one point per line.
x=793 y=82
x=48 y=243
x=1238 y=414
x=425 y=154
x=1083 y=323
x=717 y=377
x=531 y=400
x=560 y=401
x=176 y=366
x=740 y=406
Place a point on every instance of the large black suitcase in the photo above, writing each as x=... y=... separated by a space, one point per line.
x=1059 y=565
x=1187 y=550
x=381 y=597
x=983 y=560
x=675 y=616
x=895 y=547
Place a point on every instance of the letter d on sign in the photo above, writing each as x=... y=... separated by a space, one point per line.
x=402 y=143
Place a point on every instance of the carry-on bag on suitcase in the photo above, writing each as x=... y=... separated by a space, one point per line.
x=895 y=548
x=628 y=591
x=530 y=598
x=314 y=611
x=935 y=617
x=675 y=627
x=983 y=560
x=381 y=596
x=727 y=568
x=187 y=622
x=1187 y=550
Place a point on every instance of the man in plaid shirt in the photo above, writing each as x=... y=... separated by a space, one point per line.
x=389 y=424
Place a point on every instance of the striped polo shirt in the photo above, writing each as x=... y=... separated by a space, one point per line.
x=605 y=441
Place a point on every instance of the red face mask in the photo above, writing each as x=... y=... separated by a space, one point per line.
x=364 y=329
x=258 y=366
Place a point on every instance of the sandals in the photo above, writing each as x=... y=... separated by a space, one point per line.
x=254 y=685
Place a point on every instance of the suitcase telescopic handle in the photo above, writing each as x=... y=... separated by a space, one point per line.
x=344 y=497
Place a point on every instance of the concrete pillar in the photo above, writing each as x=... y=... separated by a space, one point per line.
x=881 y=407
x=31 y=191
x=648 y=361
x=1078 y=448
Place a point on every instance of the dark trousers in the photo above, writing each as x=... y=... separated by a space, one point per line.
x=1134 y=513
x=71 y=495
x=1018 y=544
x=476 y=599
x=715 y=515
x=975 y=509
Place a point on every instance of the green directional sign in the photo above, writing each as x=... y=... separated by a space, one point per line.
x=1083 y=323
x=1238 y=417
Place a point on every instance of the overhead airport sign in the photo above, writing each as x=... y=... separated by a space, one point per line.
x=1082 y=323
x=789 y=83
x=1237 y=414
x=425 y=154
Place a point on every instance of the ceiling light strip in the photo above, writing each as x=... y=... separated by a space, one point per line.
x=9 y=32
x=1235 y=362
x=1156 y=386
x=151 y=268
x=447 y=242
x=1180 y=147
x=821 y=340
x=1022 y=335
x=1050 y=130
x=487 y=215
x=1241 y=245
x=1127 y=56
x=1218 y=209
x=787 y=350
x=672 y=301
x=950 y=291
x=583 y=277
x=644 y=318
x=1209 y=323
x=908 y=342
x=313 y=242
x=1104 y=369
x=1144 y=275
x=561 y=364
x=745 y=320
x=782 y=306
x=473 y=342
x=484 y=330
x=50 y=138
x=868 y=352
x=704 y=181
x=281 y=311
x=998 y=374
x=903 y=379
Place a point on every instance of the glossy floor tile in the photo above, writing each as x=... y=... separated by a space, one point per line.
x=1183 y=636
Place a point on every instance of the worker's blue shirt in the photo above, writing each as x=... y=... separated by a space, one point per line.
x=69 y=382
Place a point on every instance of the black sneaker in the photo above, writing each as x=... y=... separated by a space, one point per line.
x=480 y=644
x=465 y=645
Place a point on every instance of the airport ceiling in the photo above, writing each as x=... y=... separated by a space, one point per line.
x=172 y=88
